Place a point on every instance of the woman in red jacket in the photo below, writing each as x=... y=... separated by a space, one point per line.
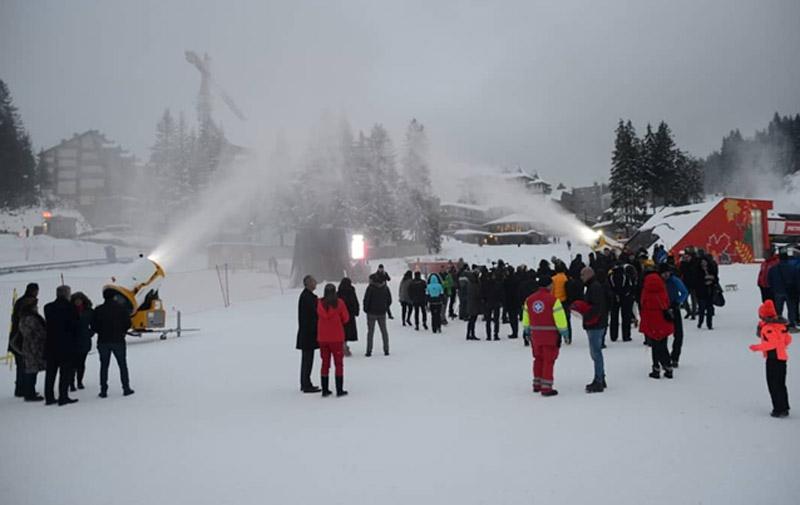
x=332 y=315
x=656 y=323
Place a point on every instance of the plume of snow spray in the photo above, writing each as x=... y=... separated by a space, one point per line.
x=226 y=197
x=489 y=189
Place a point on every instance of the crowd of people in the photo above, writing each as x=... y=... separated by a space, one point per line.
x=59 y=341
x=537 y=304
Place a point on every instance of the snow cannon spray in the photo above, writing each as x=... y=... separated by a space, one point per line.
x=137 y=291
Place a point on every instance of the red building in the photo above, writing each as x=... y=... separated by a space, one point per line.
x=733 y=230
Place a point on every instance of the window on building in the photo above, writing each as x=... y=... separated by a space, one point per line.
x=87 y=199
x=67 y=174
x=92 y=170
x=67 y=163
x=93 y=183
x=67 y=187
x=67 y=152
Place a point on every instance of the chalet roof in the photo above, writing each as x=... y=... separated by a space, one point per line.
x=512 y=218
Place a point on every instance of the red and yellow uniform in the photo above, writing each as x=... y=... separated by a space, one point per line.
x=544 y=317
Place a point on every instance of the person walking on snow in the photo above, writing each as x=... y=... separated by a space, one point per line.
x=678 y=294
x=775 y=338
x=307 y=333
x=656 y=322
x=377 y=301
x=594 y=309
x=405 y=298
x=61 y=347
x=437 y=301
x=544 y=318
x=332 y=316
x=111 y=321
x=416 y=291
x=33 y=334
x=347 y=293
x=31 y=291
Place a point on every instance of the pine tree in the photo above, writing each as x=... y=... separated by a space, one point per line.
x=416 y=185
x=18 y=180
x=626 y=178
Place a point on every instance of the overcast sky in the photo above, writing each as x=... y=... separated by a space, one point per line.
x=538 y=83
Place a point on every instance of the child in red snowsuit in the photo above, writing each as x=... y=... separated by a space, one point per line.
x=332 y=315
x=775 y=339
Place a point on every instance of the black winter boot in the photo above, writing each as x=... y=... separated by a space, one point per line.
x=340 y=386
x=326 y=390
x=655 y=374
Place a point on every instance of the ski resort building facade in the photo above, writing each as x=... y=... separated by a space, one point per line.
x=94 y=175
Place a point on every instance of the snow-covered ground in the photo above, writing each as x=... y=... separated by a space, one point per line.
x=217 y=417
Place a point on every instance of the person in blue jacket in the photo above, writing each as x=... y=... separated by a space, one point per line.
x=436 y=300
x=784 y=279
x=678 y=293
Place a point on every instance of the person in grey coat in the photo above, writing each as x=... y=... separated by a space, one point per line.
x=463 y=293
x=405 y=298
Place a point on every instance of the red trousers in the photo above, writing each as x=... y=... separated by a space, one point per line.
x=544 y=361
x=326 y=349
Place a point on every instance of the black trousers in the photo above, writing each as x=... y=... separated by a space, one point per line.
x=19 y=383
x=306 y=365
x=513 y=320
x=120 y=355
x=80 y=368
x=660 y=354
x=62 y=368
x=436 y=317
x=406 y=309
x=776 y=383
x=492 y=315
x=417 y=309
x=450 y=310
x=766 y=294
x=705 y=312
x=677 y=336
x=471 y=325
x=623 y=305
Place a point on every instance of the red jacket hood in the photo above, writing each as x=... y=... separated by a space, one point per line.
x=767 y=310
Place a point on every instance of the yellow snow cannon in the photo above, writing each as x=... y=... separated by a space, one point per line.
x=137 y=289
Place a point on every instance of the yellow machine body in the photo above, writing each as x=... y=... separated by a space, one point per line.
x=139 y=288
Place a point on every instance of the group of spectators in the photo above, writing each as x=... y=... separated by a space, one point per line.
x=605 y=293
x=59 y=341
x=779 y=281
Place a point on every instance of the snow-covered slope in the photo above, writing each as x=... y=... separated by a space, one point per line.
x=217 y=417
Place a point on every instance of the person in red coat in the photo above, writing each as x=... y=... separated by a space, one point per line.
x=656 y=323
x=332 y=315
x=775 y=338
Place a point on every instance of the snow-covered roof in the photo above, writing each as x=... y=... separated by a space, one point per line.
x=470 y=232
x=672 y=223
x=512 y=218
x=469 y=206
x=602 y=224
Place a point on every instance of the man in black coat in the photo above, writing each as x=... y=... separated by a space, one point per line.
x=377 y=300
x=512 y=308
x=491 y=297
x=31 y=291
x=307 y=333
x=416 y=291
x=111 y=321
x=61 y=346
x=622 y=280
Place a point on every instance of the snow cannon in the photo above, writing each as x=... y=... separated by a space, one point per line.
x=137 y=289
